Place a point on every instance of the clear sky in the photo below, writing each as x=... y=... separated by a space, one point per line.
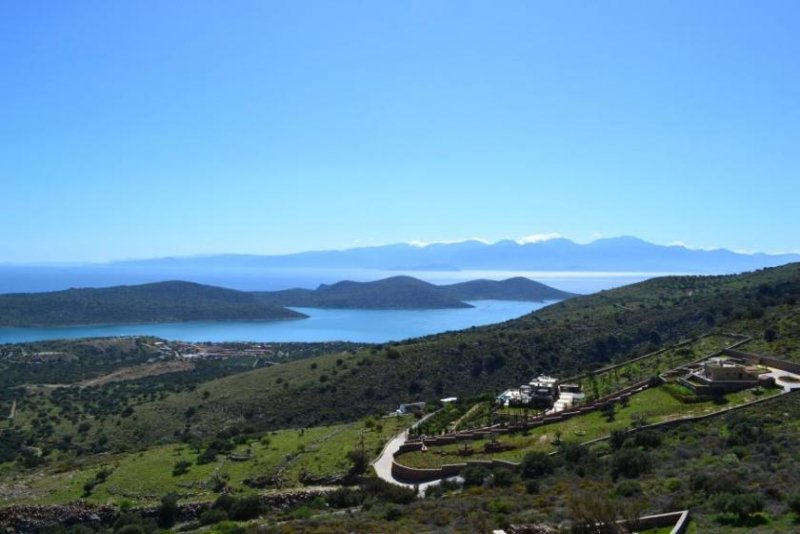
x=151 y=128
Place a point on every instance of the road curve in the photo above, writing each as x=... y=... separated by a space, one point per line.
x=383 y=464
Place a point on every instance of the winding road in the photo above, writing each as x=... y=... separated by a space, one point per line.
x=383 y=464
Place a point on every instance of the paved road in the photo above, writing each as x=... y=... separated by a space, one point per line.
x=383 y=464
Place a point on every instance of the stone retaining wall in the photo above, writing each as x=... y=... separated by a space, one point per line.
x=407 y=474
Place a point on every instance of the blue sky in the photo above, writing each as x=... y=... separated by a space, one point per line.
x=137 y=129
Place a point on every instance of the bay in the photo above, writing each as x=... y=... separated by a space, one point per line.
x=365 y=326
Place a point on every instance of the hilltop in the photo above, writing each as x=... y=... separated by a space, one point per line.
x=147 y=303
x=399 y=292
x=517 y=288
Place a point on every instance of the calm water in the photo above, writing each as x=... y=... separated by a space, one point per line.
x=323 y=325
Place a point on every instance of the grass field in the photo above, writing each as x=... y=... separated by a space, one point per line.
x=144 y=477
x=654 y=405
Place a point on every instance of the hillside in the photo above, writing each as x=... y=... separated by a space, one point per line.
x=399 y=292
x=517 y=288
x=565 y=338
x=148 y=303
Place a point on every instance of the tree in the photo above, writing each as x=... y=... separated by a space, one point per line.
x=536 y=464
x=358 y=459
x=475 y=475
x=168 y=511
x=630 y=463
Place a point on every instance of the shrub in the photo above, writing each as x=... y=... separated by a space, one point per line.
x=438 y=490
x=181 y=468
x=742 y=505
x=630 y=463
x=213 y=516
x=246 y=508
x=617 y=438
x=532 y=487
x=648 y=439
x=793 y=502
x=384 y=491
x=537 y=464
x=223 y=502
x=502 y=477
x=168 y=511
x=393 y=513
x=628 y=488
x=475 y=475
x=359 y=461
x=346 y=498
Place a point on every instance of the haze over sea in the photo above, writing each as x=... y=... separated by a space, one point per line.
x=375 y=326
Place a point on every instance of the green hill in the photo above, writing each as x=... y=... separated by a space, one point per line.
x=517 y=288
x=148 y=303
x=398 y=292
x=406 y=292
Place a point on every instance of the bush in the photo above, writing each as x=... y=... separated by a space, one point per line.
x=742 y=505
x=502 y=477
x=532 y=487
x=617 y=438
x=628 y=488
x=213 y=516
x=793 y=502
x=168 y=511
x=181 y=468
x=384 y=491
x=223 y=502
x=393 y=513
x=246 y=508
x=345 y=498
x=537 y=464
x=648 y=439
x=475 y=475
x=359 y=461
x=630 y=463
x=438 y=490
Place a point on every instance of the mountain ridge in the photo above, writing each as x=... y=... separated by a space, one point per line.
x=625 y=253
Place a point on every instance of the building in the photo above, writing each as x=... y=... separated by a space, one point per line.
x=540 y=393
x=722 y=375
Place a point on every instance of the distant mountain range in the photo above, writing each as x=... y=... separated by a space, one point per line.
x=613 y=254
x=178 y=301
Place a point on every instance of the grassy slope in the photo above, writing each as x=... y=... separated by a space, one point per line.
x=145 y=476
x=565 y=338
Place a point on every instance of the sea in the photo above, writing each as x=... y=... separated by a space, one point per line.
x=365 y=326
